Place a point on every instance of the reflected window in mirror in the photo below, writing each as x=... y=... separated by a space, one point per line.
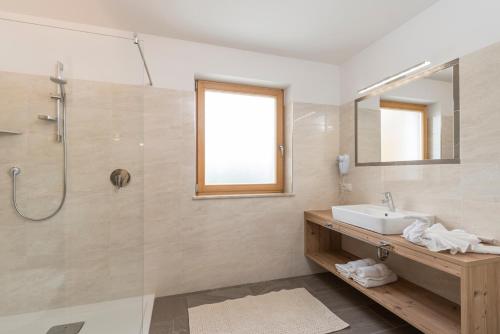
x=403 y=130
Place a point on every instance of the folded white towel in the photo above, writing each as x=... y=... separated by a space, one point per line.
x=344 y=273
x=374 y=282
x=378 y=270
x=344 y=270
x=347 y=269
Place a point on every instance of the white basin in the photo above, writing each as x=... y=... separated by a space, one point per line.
x=376 y=218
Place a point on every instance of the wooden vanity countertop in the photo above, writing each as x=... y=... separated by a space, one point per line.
x=324 y=218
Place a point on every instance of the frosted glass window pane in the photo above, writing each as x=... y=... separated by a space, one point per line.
x=401 y=135
x=240 y=138
x=436 y=136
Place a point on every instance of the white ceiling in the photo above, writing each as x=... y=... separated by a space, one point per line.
x=328 y=31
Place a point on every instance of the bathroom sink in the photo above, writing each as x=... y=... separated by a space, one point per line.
x=377 y=218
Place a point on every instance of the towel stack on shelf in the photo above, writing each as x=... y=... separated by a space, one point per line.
x=373 y=276
x=367 y=272
x=349 y=268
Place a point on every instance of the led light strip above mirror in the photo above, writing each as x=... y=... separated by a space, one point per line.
x=394 y=77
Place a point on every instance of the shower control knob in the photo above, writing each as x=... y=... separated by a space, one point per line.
x=120 y=178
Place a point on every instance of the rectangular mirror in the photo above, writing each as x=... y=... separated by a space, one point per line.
x=412 y=121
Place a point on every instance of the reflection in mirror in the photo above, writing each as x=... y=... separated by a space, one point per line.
x=413 y=122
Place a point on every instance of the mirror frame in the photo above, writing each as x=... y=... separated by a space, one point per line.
x=455 y=64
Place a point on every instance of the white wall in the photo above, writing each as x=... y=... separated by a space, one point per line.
x=174 y=63
x=446 y=30
x=33 y=49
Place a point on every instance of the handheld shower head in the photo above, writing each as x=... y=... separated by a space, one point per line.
x=61 y=82
x=58 y=81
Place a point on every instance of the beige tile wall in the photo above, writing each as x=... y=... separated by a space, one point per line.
x=93 y=249
x=461 y=196
x=447 y=135
x=369 y=134
x=97 y=248
x=193 y=245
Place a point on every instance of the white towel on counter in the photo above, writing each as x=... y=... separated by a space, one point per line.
x=376 y=271
x=437 y=238
x=347 y=269
x=485 y=249
x=415 y=232
x=372 y=282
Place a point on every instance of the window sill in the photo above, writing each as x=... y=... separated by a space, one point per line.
x=235 y=196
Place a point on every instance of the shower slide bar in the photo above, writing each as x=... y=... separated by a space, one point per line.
x=60 y=119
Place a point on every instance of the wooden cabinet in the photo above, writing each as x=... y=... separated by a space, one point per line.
x=479 y=274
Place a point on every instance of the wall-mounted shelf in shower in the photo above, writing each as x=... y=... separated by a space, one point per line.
x=10 y=132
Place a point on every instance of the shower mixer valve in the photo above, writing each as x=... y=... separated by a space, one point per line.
x=120 y=178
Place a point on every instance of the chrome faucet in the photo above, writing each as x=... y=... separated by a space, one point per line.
x=389 y=201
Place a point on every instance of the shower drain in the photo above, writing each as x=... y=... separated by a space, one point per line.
x=73 y=328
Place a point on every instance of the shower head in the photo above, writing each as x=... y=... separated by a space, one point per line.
x=61 y=82
x=58 y=81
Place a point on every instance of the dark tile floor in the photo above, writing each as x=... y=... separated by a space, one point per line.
x=170 y=314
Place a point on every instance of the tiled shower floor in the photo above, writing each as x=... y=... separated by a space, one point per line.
x=121 y=316
x=170 y=314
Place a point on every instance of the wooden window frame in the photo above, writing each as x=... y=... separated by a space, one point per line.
x=422 y=108
x=201 y=187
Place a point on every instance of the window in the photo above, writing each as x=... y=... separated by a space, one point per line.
x=403 y=131
x=239 y=139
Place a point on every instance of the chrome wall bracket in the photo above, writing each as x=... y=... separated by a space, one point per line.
x=141 y=52
x=383 y=250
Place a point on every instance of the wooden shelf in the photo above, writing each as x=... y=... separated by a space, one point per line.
x=479 y=275
x=423 y=309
